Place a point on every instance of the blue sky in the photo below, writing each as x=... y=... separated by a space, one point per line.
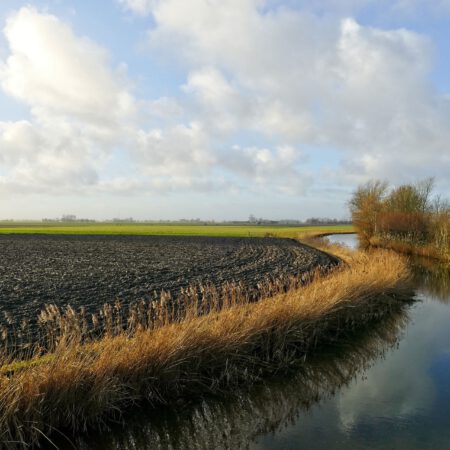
x=163 y=109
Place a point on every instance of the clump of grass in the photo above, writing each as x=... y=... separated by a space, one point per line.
x=82 y=383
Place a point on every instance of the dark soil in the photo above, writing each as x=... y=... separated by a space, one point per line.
x=92 y=270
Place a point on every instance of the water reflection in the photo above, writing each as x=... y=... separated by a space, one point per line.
x=235 y=422
x=432 y=278
x=403 y=400
x=349 y=240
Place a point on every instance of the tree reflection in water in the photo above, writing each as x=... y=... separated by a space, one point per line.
x=234 y=421
x=432 y=278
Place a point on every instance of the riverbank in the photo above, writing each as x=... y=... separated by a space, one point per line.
x=79 y=385
x=410 y=248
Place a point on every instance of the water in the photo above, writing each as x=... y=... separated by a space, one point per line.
x=388 y=388
x=346 y=239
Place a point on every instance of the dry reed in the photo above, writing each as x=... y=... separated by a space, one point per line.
x=264 y=408
x=81 y=383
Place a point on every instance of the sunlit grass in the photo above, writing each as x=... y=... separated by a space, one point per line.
x=168 y=229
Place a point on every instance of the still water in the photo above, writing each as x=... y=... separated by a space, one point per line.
x=388 y=388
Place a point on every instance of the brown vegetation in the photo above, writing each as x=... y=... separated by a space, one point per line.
x=83 y=381
x=234 y=420
x=406 y=219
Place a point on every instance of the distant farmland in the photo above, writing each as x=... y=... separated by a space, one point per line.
x=168 y=229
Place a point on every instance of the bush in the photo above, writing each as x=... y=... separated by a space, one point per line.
x=405 y=217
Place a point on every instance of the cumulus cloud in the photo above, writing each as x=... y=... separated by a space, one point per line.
x=82 y=108
x=303 y=79
x=264 y=166
x=56 y=72
x=77 y=105
x=181 y=150
x=45 y=159
x=263 y=83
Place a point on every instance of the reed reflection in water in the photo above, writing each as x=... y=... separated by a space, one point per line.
x=432 y=278
x=234 y=421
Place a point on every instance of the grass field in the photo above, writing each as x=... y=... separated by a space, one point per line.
x=167 y=229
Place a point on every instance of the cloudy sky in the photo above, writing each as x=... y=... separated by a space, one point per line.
x=164 y=109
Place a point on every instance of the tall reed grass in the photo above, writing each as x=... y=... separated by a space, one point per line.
x=81 y=383
x=233 y=421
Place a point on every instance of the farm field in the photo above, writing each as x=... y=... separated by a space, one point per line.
x=168 y=229
x=89 y=271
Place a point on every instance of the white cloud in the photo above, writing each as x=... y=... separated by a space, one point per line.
x=262 y=83
x=78 y=106
x=81 y=109
x=264 y=167
x=56 y=72
x=298 y=78
x=178 y=151
x=45 y=159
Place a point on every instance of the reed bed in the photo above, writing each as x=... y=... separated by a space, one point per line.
x=264 y=408
x=407 y=247
x=84 y=381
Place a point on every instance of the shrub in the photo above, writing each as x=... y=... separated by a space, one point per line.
x=366 y=205
x=406 y=218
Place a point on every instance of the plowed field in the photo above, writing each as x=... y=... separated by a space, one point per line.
x=92 y=270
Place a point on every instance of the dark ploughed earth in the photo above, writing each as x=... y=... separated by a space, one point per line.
x=92 y=270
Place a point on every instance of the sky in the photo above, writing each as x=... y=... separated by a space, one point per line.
x=218 y=109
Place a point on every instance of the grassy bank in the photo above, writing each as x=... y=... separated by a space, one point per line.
x=168 y=229
x=263 y=409
x=407 y=247
x=83 y=384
